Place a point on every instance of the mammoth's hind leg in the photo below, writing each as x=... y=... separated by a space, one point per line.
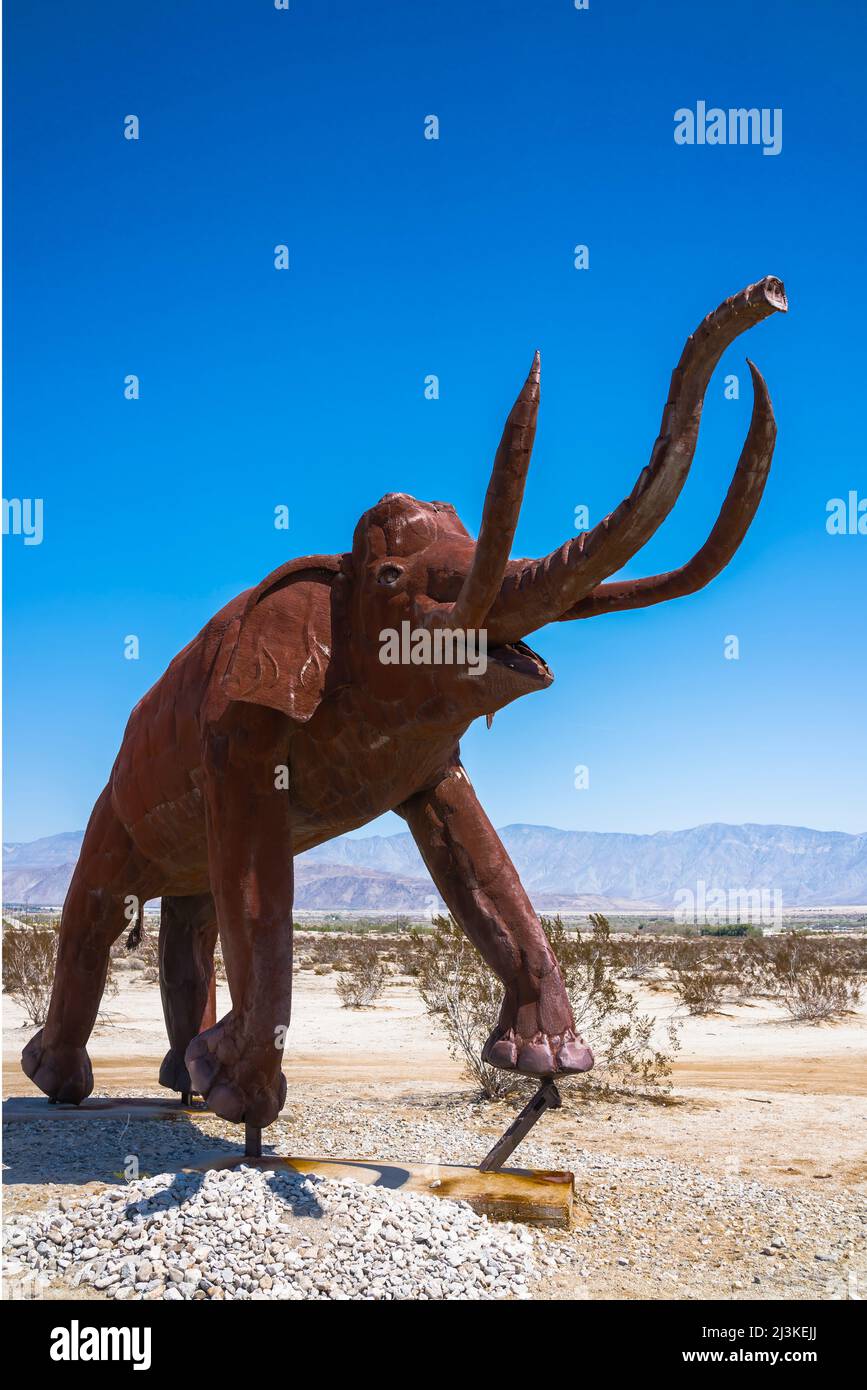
x=111 y=878
x=188 y=936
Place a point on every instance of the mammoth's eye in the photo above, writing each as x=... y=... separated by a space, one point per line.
x=389 y=574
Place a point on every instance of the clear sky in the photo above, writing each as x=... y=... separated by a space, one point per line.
x=453 y=257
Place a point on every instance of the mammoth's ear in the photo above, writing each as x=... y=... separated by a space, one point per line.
x=282 y=641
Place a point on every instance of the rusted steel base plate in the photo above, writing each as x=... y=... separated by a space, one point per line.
x=540 y=1197
x=97 y=1107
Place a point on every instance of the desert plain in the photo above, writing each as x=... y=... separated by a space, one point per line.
x=747 y=1178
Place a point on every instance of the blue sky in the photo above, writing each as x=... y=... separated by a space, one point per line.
x=454 y=257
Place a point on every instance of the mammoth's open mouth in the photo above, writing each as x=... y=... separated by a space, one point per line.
x=521 y=659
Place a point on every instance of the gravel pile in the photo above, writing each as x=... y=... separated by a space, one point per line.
x=249 y=1234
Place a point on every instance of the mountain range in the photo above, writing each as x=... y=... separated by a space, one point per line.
x=569 y=870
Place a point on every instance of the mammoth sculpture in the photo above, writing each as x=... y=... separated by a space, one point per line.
x=279 y=727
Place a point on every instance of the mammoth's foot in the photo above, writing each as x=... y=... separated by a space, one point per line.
x=540 y=1054
x=238 y=1075
x=63 y=1073
x=173 y=1072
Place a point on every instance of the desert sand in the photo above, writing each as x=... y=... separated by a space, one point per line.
x=758 y=1105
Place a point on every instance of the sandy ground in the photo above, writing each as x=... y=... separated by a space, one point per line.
x=755 y=1097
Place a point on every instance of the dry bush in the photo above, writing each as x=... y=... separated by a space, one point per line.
x=459 y=990
x=363 y=977
x=700 y=991
x=637 y=955
x=29 y=958
x=697 y=979
x=142 y=956
x=465 y=996
x=749 y=973
x=322 y=948
x=402 y=953
x=333 y=950
x=814 y=978
x=30 y=955
x=29 y=962
x=608 y=1016
x=148 y=953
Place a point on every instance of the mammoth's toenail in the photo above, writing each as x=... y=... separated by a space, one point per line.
x=537 y=1058
x=503 y=1053
x=575 y=1056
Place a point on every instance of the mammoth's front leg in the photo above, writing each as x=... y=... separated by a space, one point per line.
x=535 y=1033
x=236 y=1065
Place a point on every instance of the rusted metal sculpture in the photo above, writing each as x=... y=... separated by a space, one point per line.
x=280 y=726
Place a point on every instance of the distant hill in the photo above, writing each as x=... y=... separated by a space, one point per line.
x=578 y=870
x=809 y=867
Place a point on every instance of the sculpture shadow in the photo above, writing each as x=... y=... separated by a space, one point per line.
x=72 y=1151
x=115 y=1149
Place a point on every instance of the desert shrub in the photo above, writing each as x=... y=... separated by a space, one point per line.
x=404 y=954
x=219 y=963
x=363 y=979
x=749 y=976
x=321 y=949
x=333 y=950
x=608 y=1016
x=148 y=953
x=813 y=978
x=853 y=950
x=144 y=957
x=29 y=958
x=697 y=979
x=700 y=991
x=637 y=955
x=464 y=995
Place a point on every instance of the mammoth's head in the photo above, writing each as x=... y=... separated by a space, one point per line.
x=419 y=593
x=426 y=617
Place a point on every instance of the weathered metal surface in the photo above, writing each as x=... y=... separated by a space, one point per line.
x=285 y=723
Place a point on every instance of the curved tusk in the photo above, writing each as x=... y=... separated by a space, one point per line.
x=536 y=592
x=738 y=509
x=501 y=511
